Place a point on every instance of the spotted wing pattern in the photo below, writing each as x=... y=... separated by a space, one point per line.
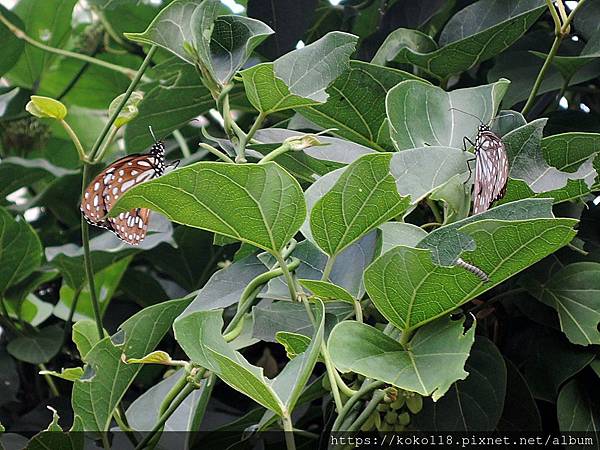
x=491 y=173
x=104 y=190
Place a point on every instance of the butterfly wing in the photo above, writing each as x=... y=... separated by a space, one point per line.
x=491 y=173
x=104 y=191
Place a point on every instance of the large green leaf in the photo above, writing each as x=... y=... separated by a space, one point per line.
x=475 y=34
x=12 y=46
x=421 y=114
x=191 y=30
x=363 y=198
x=199 y=334
x=574 y=293
x=20 y=250
x=356 y=104
x=48 y=22
x=184 y=28
x=232 y=42
x=410 y=289
x=532 y=175
x=474 y=404
x=400 y=233
x=578 y=409
x=433 y=361
x=414 y=172
x=38 y=347
x=301 y=77
x=258 y=204
x=107 y=377
x=173 y=103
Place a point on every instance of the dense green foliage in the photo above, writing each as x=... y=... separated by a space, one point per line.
x=302 y=257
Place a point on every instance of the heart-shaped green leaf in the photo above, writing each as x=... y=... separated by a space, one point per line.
x=571 y=174
x=475 y=34
x=39 y=347
x=364 y=197
x=356 y=104
x=199 y=334
x=258 y=204
x=431 y=119
x=574 y=293
x=301 y=77
x=20 y=250
x=433 y=360
x=191 y=30
x=410 y=289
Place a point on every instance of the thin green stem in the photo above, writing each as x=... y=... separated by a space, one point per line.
x=49 y=381
x=331 y=375
x=288 y=429
x=405 y=337
x=346 y=390
x=185 y=149
x=74 y=139
x=119 y=108
x=567 y=24
x=87 y=260
x=328 y=268
x=538 y=82
x=105 y=145
x=364 y=415
x=218 y=153
x=288 y=276
x=331 y=371
x=91 y=156
x=173 y=393
x=364 y=390
x=555 y=17
x=283 y=148
x=22 y=35
x=358 y=313
x=183 y=394
x=255 y=127
x=235 y=332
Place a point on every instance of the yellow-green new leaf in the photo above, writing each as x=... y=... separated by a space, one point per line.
x=45 y=107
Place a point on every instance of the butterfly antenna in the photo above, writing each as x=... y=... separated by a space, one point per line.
x=152 y=133
x=467 y=113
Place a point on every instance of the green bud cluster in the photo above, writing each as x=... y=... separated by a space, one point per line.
x=394 y=412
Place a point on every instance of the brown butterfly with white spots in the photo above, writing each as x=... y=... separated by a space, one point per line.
x=104 y=190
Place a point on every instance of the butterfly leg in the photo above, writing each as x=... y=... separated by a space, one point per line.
x=470 y=170
x=174 y=164
x=465 y=140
